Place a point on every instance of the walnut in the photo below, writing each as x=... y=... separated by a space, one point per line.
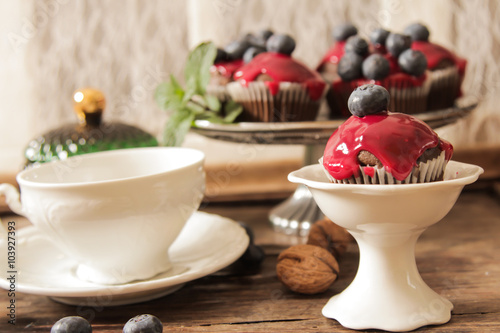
x=326 y=234
x=307 y=269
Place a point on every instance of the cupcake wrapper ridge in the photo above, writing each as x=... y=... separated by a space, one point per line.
x=291 y=103
x=425 y=172
x=218 y=91
x=444 y=88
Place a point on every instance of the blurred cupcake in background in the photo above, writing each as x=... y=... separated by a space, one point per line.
x=387 y=61
x=447 y=69
x=274 y=87
x=233 y=56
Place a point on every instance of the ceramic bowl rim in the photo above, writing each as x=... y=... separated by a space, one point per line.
x=381 y=188
x=199 y=158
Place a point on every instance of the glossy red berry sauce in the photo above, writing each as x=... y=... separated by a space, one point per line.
x=396 y=139
x=227 y=68
x=281 y=68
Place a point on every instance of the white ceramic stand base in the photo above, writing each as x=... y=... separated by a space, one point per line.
x=388 y=284
x=386 y=220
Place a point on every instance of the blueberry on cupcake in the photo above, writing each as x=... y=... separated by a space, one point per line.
x=328 y=64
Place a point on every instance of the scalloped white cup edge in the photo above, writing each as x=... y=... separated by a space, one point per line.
x=388 y=292
x=115 y=212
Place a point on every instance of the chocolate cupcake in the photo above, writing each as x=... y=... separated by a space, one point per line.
x=376 y=146
x=231 y=58
x=446 y=69
x=274 y=87
x=400 y=70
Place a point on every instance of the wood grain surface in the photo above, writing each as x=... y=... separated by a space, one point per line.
x=459 y=258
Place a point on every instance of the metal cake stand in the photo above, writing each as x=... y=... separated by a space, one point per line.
x=295 y=215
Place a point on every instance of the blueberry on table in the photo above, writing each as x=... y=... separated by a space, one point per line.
x=379 y=36
x=357 y=45
x=281 y=43
x=253 y=257
x=71 y=324
x=250 y=260
x=344 y=31
x=376 y=67
x=417 y=31
x=349 y=66
x=368 y=99
x=397 y=43
x=412 y=62
x=236 y=49
x=144 y=323
x=248 y=230
x=251 y=52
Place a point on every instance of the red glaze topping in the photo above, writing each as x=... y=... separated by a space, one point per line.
x=227 y=68
x=334 y=53
x=281 y=68
x=436 y=53
x=396 y=139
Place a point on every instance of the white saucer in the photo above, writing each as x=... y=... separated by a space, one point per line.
x=207 y=244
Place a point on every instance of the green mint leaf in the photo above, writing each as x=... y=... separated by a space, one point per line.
x=197 y=70
x=177 y=127
x=192 y=102
x=190 y=90
x=169 y=95
x=212 y=102
x=232 y=110
x=196 y=108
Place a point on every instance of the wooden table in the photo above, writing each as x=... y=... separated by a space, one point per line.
x=458 y=258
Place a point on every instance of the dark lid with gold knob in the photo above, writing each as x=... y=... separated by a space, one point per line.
x=89 y=135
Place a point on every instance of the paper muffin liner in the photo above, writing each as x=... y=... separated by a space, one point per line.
x=424 y=172
x=406 y=97
x=291 y=103
x=444 y=88
x=219 y=91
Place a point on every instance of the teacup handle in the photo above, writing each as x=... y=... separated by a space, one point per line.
x=12 y=198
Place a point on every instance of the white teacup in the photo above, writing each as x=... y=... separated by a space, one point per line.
x=115 y=212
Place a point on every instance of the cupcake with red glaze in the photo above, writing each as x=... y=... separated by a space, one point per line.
x=391 y=64
x=328 y=64
x=274 y=87
x=377 y=146
x=231 y=58
x=447 y=69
